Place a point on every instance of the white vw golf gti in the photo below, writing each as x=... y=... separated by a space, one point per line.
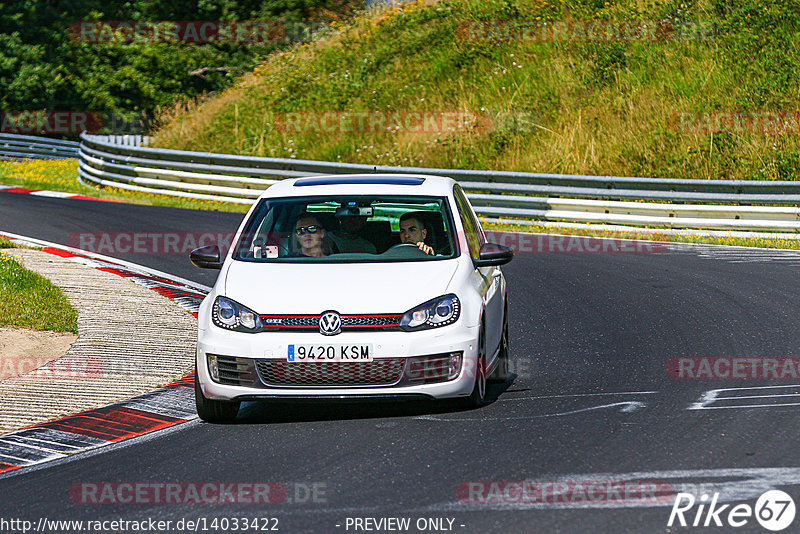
x=353 y=287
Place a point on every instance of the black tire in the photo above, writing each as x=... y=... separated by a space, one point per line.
x=500 y=373
x=213 y=411
x=478 y=396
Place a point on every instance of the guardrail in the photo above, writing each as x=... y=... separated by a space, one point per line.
x=122 y=162
x=672 y=203
x=16 y=147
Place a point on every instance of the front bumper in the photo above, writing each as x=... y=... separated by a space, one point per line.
x=273 y=346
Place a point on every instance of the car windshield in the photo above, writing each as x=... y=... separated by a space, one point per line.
x=348 y=229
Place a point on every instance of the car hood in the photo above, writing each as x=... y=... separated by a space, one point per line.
x=348 y=288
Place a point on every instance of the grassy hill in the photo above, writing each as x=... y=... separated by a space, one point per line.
x=537 y=93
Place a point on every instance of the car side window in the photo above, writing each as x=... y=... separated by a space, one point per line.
x=471 y=230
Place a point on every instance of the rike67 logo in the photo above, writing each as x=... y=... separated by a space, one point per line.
x=774 y=510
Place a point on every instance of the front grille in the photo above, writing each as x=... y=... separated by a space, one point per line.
x=235 y=371
x=379 y=372
x=311 y=322
x=370 y=320
x=300 y=321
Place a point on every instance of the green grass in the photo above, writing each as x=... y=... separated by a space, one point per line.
x=606 y=108
x=61 y=175
x=31 y=301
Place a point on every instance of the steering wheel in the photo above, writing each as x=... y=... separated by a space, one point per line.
x=405 y=250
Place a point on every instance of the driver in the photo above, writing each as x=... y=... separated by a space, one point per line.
x=413 y=231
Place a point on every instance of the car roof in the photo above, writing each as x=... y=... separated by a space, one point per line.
x=363 y=184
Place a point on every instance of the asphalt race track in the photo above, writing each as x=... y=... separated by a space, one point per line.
x=591 y=401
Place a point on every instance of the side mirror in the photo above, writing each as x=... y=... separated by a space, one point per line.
x=206 y=257
x=492 y=254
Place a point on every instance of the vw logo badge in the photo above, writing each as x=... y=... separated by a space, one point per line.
x=330 y=323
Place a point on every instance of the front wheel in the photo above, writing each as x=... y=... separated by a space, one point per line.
x=500 y=373
x=213 y=411
x=478 y=396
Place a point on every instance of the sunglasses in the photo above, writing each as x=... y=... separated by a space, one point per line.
x=313 y=229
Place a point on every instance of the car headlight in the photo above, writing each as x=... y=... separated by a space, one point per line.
x=231 y=315
x=437 y=312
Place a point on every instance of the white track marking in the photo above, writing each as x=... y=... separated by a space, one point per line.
x=767 y=396
x=53 y=194
x=627 y=407
x=576 y=395
x=747 y=406
x=712 y=396
x=751 y=483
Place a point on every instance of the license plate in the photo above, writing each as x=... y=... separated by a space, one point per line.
x=333 y=352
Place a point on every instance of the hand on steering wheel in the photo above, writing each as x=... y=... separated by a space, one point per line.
x=427 y=249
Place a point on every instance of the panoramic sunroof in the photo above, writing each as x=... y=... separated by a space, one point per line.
x=367 y=179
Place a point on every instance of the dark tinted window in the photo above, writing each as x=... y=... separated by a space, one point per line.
x=270 y=234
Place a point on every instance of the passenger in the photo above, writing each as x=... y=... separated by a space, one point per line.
x=413 y=231
x=309 y=237
x=347 y=238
